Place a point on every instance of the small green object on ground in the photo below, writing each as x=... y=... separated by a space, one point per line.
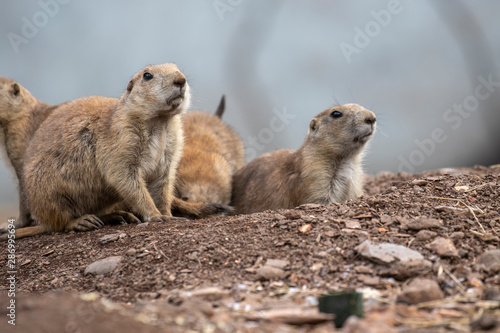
x=342 y=305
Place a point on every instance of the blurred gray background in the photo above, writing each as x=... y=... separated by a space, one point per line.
x=428 y=69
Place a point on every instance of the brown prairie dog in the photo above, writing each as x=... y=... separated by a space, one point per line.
x=212 y=154
x=95 y=152
x=20 y=116
x=325 y=169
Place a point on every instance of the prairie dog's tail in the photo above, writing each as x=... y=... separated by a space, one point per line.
x=23 y=232
x=222 y=105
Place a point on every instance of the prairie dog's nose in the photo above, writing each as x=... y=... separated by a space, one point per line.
x=179 y=80
x=370 y=118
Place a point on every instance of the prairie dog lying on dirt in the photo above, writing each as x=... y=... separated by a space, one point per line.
x=325 y=169
x=94 y=152
x=212 y=154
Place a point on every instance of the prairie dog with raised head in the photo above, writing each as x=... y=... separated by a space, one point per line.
x=95 y=152
x=212 y=154
x=20 y=116
x=325 y=169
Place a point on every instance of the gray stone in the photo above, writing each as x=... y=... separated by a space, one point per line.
x=489 y=261
x=387 y=253
x=458 y=235
x=270 y=273
x=109 y=238
x=420 y=290
x=486 y=322
x=352 y=224
x=419 y=182
x=277 y=263
x=209 y=294
x=386 y=219
x=292 y=215
x=424 y=235
x=131 y=252
x=403 y=270
x=103 y=266
x=423 y=223
x=443 y=247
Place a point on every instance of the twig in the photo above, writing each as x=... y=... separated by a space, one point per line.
x=158 y=250
x=454 y=278
x=468 y=207
x=424 y=323
x=475 y=187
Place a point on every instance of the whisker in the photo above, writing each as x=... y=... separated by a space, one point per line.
x=382 y=132
x=352 y=95
x=335 y=99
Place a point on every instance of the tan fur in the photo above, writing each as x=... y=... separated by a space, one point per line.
x=198 y=209
x=325 y=169
x=212 y=154
x=20 y=116
x=95 y=152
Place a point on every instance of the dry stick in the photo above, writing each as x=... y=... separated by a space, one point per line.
x=444 y=303
x=424 y=323
x=476 y=187
x=454 y=278
x=468 y=207
x=158 y=250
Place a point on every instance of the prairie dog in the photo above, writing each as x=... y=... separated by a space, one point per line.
x=212 y=154
x=325 y=169
x=20 y=116
x=95 y=152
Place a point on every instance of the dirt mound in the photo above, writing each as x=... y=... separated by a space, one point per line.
x=423 y=249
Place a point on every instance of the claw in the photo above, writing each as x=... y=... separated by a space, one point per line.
x=120 y=217
x=129 y=217
x=176 y=218
x=88 y=222
x=160 y=218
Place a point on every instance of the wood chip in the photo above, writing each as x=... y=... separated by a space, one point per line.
x=365 y=216
x=293 y=316
x=420 y=182
x=461 y=188
x=305 y=228
x=25 y=262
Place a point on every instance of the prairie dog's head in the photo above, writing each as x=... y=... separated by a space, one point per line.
x=15 y=100
x=203 y=191
x=341 y=130
x=197 y=181
x=158 y=90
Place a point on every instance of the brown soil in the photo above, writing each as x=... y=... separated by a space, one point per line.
x=206 y=275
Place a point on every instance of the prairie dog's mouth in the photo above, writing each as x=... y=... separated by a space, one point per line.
x=363 y=137
x=175 y=99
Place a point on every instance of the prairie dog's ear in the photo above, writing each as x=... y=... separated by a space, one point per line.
x=15 y=89
x=313 y=125
x=221 y=107
x=130 y=86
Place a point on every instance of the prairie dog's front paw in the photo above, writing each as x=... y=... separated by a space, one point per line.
x=159 y=218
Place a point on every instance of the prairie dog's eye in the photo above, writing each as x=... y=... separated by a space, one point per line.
x=147 y=76
x=336 y=114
